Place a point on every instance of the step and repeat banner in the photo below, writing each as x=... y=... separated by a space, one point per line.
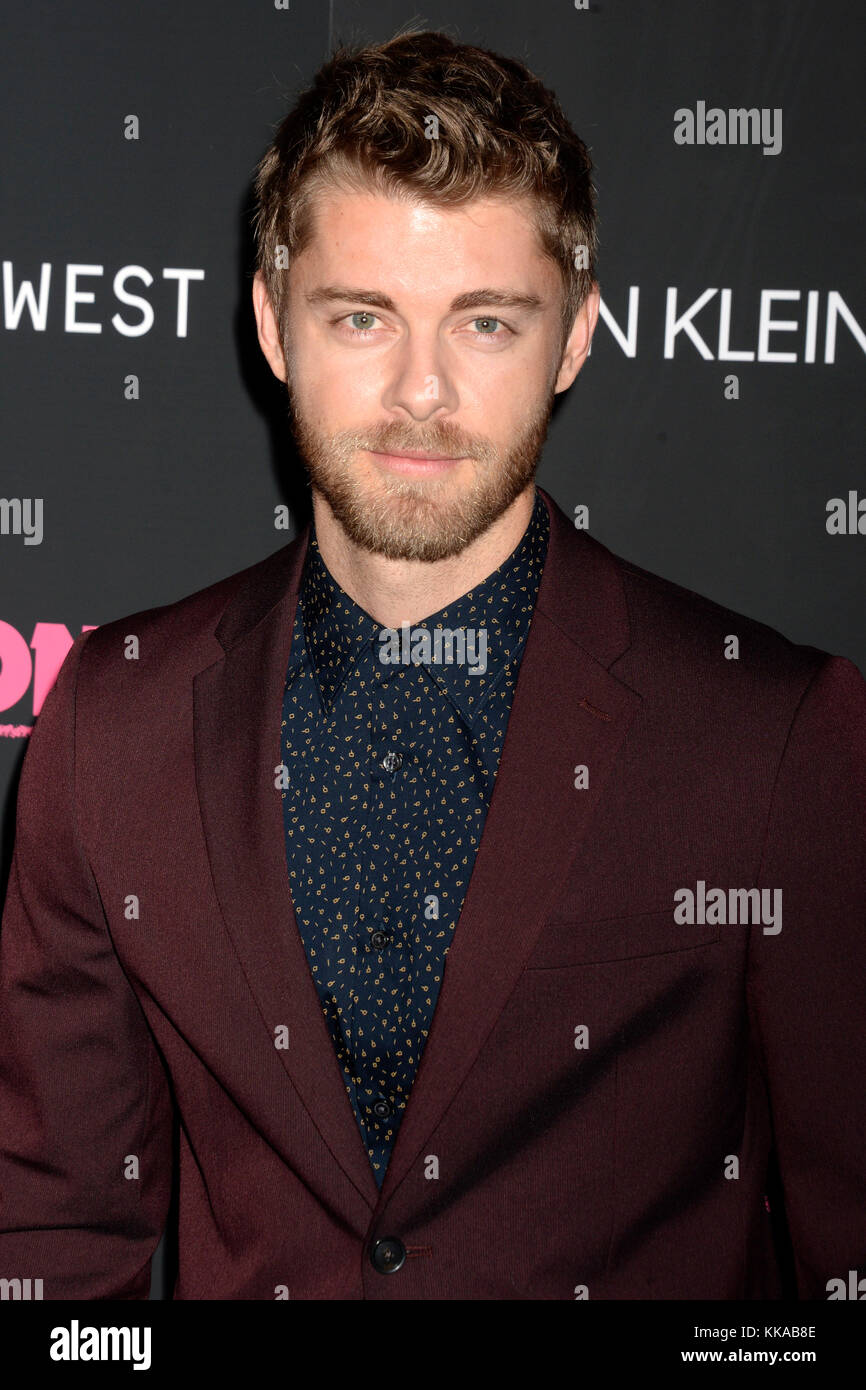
x=715 y=436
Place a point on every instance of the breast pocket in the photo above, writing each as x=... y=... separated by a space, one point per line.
x=583 y=942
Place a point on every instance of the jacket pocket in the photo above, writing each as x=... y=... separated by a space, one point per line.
x=581 y=942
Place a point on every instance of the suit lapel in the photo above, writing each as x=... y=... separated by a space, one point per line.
x=238 y=712
x=567 y=710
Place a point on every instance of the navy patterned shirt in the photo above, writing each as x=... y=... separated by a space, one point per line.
x=391 y=741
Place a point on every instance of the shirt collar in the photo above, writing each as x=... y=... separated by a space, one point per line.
x=336 y=629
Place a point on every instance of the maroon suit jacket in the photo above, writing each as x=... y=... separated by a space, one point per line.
x=602 y=1085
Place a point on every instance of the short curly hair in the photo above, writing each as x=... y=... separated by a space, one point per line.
x=366 y=123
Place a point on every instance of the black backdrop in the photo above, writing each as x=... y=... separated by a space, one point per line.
x=711 y=460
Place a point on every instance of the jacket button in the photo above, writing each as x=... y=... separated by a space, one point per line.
x=379 y=940
x=388 y=1254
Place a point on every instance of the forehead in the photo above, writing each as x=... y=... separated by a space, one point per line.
x=391 y=243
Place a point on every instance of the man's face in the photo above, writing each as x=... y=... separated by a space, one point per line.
x=415 y=328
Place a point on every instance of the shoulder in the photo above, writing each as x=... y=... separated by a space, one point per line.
x=708 y=665
x=180 y=638
x=689 y=630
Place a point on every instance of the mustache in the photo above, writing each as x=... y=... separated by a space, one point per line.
x=442 y=440
x=442 y=437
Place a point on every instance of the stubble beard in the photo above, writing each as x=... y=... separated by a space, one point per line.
x=417 y=518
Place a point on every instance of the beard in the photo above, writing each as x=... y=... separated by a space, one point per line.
x=418 y=518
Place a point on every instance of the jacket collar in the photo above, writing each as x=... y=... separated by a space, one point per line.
x=336 y=629
x=580 y=591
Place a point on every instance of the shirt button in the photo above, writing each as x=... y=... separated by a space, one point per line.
x=391 y=762
x=379 y=940
x=381 y=1109
x=387 y=1255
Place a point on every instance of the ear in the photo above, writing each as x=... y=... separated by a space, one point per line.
x=266 y=324
x=579 y=340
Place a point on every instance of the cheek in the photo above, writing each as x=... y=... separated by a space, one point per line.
x=504 y=399
x=347 y=386
x=338 y=398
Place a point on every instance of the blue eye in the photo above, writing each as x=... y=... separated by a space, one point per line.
x=361 y=314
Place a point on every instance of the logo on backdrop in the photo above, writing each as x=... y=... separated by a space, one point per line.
x=36 y=662
x=83 y=303
x=710 y=321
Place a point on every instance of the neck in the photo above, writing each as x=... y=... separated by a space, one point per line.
x=407 y=591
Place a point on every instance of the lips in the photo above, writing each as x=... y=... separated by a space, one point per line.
x=422 y=454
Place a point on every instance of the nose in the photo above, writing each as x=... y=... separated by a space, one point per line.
x=420 y=382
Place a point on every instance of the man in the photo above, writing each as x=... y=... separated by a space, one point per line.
x=486 y=912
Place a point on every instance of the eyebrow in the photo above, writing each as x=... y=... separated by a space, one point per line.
x=474 y=299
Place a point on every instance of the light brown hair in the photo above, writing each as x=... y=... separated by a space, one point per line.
x=363 y=125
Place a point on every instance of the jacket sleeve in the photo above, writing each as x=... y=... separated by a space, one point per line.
x=807 y=982
x=85 y=1107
